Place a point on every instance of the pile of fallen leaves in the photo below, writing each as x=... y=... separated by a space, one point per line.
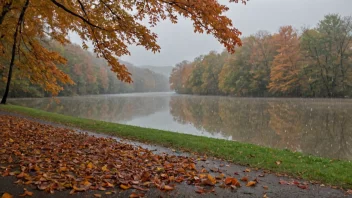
x=55 y=159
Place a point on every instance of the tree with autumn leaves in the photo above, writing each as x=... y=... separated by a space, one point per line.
x=314 y=63
x=286 y=66
x=110 y=25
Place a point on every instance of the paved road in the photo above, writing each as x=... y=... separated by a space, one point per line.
x=268 y=184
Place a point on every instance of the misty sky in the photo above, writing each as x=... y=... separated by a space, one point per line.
x=178 y=41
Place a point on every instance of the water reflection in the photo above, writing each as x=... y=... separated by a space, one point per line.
x=321 y=127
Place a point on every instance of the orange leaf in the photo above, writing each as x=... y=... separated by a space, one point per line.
x=26 y=193
x=135 y=195
x=125 y=187
x=228 y=181
x=6 y=195
x=245 y=179
x=251 y=183
x=235 y=182
x=212 y=179
x=167 y=187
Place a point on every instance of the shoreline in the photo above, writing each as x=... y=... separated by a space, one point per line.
x=308 y=167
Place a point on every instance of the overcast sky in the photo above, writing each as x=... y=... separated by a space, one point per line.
x=178 y=41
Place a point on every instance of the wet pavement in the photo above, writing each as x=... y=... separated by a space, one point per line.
x=268 y=183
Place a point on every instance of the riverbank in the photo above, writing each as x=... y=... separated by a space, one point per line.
x=327 y=171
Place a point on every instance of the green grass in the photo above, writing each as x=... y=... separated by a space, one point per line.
x=333 y=172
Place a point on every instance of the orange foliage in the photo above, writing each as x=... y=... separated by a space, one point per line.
x=284 y=74
x=110 y=25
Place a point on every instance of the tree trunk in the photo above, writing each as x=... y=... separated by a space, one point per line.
x=5 y=10
x=13 y=55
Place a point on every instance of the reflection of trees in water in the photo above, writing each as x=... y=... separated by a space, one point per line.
x=109 y=108
x=317 y=127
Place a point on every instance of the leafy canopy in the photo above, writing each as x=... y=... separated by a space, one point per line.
x=110 y=25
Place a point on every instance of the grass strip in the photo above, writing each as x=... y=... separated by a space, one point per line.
x=308 y=167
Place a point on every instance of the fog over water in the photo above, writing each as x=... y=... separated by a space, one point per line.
x=321 y=127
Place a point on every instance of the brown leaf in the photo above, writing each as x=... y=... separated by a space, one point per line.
x=97 y=195
x=247 y=170
x=283 y=182
x=278 y=162
x=199 y=190
x=349 y=191
x=265 y=187
x=303 y=186
x=135 y=195
x=139 y=188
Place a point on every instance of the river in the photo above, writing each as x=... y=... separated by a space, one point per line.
x=321 y=127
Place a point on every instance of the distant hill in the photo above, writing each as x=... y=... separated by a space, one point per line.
x=91 y=75
x=164 y=70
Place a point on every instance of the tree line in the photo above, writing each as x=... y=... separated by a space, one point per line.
x=314 y=62
x=91 y=75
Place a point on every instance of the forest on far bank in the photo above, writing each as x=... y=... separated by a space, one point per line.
x=313 y=62
x=90 y=74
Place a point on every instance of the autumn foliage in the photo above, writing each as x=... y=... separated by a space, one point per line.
x=55 y=159
x=110 y=25
x=312 y=63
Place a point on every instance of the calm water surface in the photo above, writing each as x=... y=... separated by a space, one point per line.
x=320 y=127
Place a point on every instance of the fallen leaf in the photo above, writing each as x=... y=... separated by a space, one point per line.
x=6 y=195
x=97 y=195
x=125 y=187
x=26 y=193
x=283 y=182
x=247 y=170
x=139 y=188
x=235 y=182
x=212 y=179
x=167 y=187
x=135 y=195
x=349 y=191
x=228 y=181
x=245 y=179
x=303 y=186
x=278 y=162
x=265 y=187
x=104 y=168
x=251 y=183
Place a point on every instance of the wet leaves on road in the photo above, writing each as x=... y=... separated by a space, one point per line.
x=56 y=159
